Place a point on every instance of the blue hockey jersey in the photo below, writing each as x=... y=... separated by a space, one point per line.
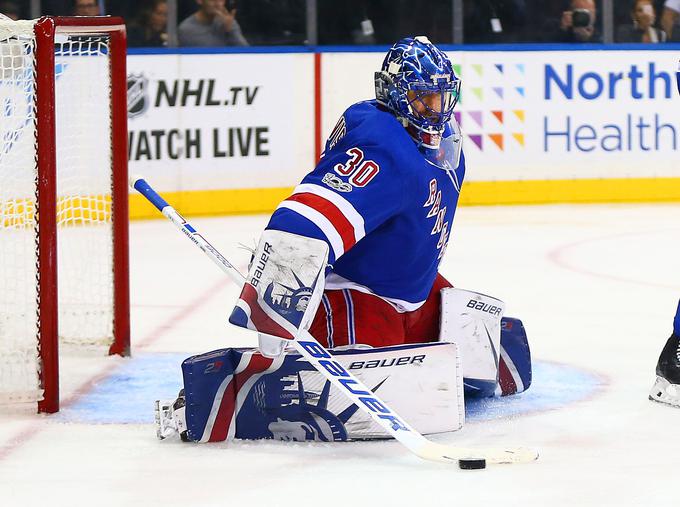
x=384 y=206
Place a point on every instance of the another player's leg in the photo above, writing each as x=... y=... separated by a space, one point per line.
x=666 y=389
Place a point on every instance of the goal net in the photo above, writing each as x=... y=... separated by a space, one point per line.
x=63 y=215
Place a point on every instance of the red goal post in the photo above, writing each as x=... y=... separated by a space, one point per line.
x=76 y=108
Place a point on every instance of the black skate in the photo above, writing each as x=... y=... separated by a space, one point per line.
x=666 y=389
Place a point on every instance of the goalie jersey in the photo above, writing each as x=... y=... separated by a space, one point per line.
x=384 y=206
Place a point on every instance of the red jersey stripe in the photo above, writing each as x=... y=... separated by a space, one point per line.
x=332 y=213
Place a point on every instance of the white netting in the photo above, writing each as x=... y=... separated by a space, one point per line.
x=18 y=175
x=84 y=233
x=84 y=190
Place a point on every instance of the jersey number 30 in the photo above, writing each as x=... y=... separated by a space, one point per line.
x=360 y=171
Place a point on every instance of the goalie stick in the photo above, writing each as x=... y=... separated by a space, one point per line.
x=347 y=383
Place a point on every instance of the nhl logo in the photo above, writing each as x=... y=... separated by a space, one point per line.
x=137 y=100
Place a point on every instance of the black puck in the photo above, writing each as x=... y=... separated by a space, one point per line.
x=471 y=464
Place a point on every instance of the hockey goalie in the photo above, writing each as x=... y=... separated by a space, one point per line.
x=352 y=256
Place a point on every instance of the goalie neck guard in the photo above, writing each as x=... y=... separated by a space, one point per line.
x=417 y=84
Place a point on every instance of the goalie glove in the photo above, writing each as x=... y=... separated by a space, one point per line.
x=284 y=285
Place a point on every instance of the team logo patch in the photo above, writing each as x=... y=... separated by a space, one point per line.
x=336 y=183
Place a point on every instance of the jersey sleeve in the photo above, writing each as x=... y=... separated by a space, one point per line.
x=351 y=192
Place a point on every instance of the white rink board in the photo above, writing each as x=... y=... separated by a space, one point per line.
x=526 y=115
x=221 y=120
x=532 y=93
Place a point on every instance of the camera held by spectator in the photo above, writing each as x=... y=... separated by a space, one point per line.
x=578 y=23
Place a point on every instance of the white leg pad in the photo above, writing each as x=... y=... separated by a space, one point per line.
x=473 y=321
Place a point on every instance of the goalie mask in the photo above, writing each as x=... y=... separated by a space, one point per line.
x=417 y=83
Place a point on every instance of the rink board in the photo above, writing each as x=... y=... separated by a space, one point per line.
x=231 y=132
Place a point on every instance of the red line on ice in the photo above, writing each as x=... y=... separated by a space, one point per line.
x=35 y=427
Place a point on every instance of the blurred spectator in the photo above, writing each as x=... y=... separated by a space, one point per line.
x=576 y=24
x=86 y=8
x=494 y=21
x=56 y=7
x=126 y=9
x=214 y=24
x=642 y=29
x=349 y=22
x=149 y=28
x=274 y=22
x=10 y=9
x=669 y=19
x=383 y=21
x=185 y=8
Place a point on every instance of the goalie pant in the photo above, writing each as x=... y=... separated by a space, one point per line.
x=349 y=317
x=238 y=393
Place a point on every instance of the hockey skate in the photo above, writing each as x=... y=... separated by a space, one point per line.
x=666 y=389
x=170 y=418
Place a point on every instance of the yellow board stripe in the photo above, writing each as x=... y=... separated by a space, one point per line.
x=571 y=191
x=213 y=202
x=265 y=200
x=19 y=213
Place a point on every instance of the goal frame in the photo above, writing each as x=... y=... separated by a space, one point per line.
x=45 y=30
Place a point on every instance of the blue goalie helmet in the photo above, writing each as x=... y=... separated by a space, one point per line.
x=417 y=83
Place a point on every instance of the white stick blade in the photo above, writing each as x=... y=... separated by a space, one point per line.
x=451 y=454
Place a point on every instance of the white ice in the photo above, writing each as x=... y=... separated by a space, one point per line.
x=596 y=286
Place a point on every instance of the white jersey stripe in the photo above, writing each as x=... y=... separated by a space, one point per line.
x=350 y=213
x=320 y=221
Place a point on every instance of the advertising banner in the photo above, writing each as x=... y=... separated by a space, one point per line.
x=220 y=121
x=543 y=115
x=539 y=126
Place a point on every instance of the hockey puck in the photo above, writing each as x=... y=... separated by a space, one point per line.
x=471 y=464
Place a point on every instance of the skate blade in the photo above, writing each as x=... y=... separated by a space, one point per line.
x=665 y=392
x=157 y=420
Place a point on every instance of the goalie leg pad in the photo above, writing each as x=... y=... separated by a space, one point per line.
x=515 y=364
x=473 y=321
x=238 y=393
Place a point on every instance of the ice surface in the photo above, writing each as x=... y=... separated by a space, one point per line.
x=596 y=287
